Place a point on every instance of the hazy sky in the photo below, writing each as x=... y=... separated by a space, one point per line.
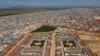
x=9 y=3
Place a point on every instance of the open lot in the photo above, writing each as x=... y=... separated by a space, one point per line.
x=92 y=42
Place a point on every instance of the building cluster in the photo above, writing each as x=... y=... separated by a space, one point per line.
x=9 y=37
x=11 y=27
x=34 y=47
x=40 y=44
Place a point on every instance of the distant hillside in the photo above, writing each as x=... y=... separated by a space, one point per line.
x=18 y=10
x=29 y=9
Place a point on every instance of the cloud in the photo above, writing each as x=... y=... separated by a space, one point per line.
x=10 y=1
x=20 y=2
x=30 y=2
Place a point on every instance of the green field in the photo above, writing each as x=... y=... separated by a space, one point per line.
x=45 y=29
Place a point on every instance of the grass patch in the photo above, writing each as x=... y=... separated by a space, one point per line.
x=37 y=43
x=45 y=29
x=69 y=43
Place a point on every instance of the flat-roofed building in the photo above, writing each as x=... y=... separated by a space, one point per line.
x=72 y=51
